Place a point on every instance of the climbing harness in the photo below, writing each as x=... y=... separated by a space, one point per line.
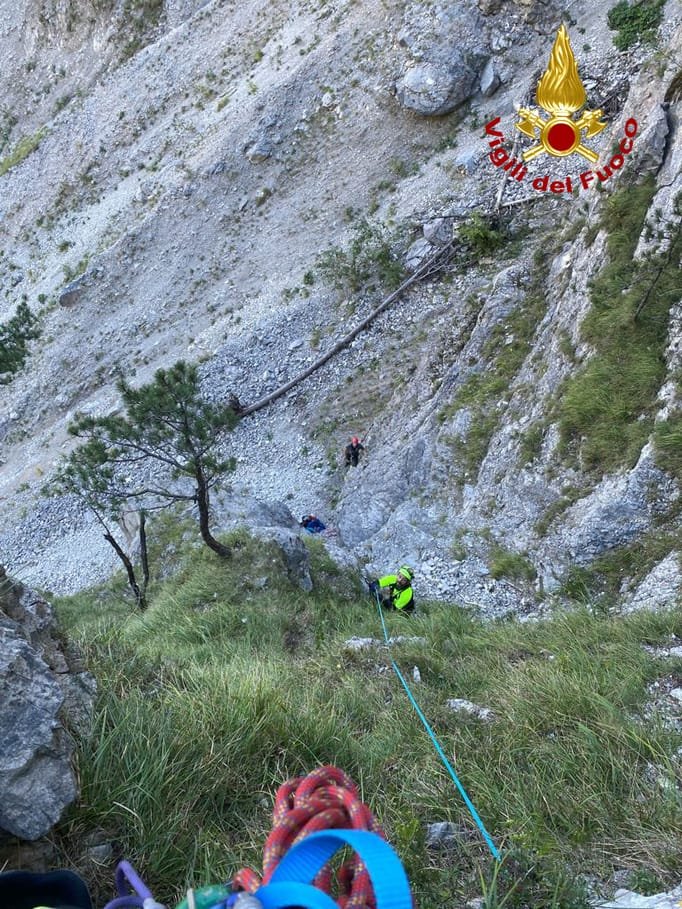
x=439 y=749
x=314 y=816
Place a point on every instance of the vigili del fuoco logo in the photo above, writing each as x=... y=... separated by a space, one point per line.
x=560 y=94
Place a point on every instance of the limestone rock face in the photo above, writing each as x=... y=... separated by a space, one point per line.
x=490 y=79
x=35 y=776
x=432 y=89
x=663 y=585
x=447 y=52
x=37 y=677
x=295 y=556
x=617 y=510
x=628 y=899
x=269 y=521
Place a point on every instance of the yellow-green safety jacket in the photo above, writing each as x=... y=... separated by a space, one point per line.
x=400 y=599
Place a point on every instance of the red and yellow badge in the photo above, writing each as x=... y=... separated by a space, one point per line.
x=561 y=93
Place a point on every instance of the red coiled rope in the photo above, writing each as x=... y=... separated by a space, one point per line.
x=325 y=799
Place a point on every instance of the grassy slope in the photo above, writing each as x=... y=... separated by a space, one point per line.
x=222 y=690
x=607 y=408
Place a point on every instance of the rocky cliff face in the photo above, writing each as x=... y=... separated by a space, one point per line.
x=519 y=491
x=45 y=690
x=192 y=161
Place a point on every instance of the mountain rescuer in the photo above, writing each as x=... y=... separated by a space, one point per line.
x=395 y=590
x=353 y=451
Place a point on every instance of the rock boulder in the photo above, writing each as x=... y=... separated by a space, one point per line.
x=37 y=676
x=435 y=88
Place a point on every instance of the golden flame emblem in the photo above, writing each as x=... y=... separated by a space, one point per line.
x=561 y=93
x=560 y=90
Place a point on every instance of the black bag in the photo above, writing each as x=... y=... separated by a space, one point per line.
x=56 y=889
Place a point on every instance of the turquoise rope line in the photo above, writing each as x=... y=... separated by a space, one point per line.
x=381 y=616
x=448 y=766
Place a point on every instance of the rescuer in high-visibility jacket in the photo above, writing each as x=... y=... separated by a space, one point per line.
x=395 y=590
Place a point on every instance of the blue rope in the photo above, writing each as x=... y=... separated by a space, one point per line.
x=437 y=745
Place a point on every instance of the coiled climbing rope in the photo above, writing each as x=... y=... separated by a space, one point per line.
x=325 y=799
x=314 y=817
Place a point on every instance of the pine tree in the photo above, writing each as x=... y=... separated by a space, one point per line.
x=14 y=335
x=88 y=474
x=164 y=447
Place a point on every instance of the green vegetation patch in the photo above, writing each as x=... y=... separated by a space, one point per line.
x=530 y=442
x=7 y=123
x=14 y=337
x=72 y=272
x=141 y=18
x=668 y=444
x=22 y=150
x=481 y=235
x=637 y=21
x=473 y=447
x=234 y=680
x=569 y=495
x=368 y=264
x=606 y=410
x=507 y=564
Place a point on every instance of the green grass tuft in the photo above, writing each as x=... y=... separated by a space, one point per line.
x=504 y=353
x=481 y=235
x=22 y=150
x=601 y=584
x=668 y=444
x=507 y=564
